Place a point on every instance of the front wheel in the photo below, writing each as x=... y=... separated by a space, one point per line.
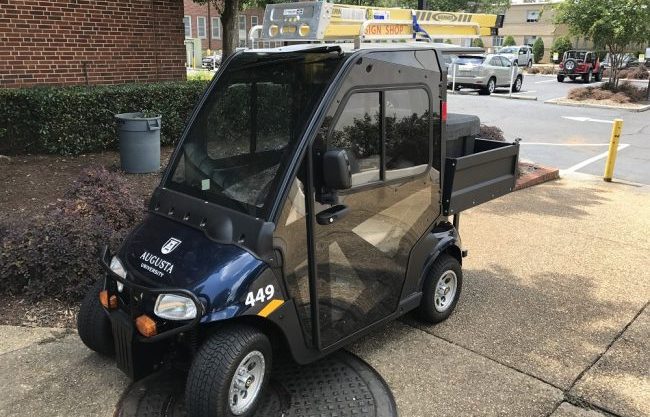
x=586 y=78
x=229 y=373
x=441 y=289
x=93 y=324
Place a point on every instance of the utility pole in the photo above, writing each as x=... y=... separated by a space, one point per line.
x=209 y=31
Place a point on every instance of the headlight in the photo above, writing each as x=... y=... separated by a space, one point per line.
x=117 y=267
x=174 y=307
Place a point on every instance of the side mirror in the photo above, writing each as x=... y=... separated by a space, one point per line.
x=337 y=174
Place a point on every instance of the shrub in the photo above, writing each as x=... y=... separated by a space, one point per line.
x=55 y=255
x=538 y=50
x=561 y=45
x=478 y=42
x=638 y=73
x=74 y=120
x=580 y=93
x=491 y=132
x=509 y=41
x=533 y=70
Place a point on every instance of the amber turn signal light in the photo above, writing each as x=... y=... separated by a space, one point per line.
x=109 y=303
x=146 y=326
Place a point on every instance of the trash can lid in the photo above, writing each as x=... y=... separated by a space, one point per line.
x=136 y=116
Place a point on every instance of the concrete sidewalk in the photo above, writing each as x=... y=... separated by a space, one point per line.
x=553 y=321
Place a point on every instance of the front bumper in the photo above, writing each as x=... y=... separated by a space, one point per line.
x=136 y=353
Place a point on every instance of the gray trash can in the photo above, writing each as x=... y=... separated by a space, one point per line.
x=139 y=142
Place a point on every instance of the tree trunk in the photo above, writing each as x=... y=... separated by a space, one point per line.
x=229 y=25
x=648 y=94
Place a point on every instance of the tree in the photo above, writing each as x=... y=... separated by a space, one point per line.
x=469 y=6
x=615 y=25
x=509 y=41
x=478 y=42
x=561 y=45
x=538 y=50
x=228 y=11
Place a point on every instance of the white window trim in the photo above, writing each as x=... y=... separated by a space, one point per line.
x=255 y=24
x=218 y=19
x=189 y=19
x=198 y=26
x=528 y=12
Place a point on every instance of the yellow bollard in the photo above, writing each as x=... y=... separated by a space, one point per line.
x=613 y=149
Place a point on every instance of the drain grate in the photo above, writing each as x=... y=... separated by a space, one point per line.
x=340 y=385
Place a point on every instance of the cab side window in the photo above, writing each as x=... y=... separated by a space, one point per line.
x=358 y=131
x=407 y=132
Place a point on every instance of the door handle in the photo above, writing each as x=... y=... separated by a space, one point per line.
x=332 y=214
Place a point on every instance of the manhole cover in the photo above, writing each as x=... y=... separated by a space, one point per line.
x=339 y=385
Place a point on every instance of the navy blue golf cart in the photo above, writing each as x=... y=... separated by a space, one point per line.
x=307 y=203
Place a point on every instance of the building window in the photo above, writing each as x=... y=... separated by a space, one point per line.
x=254 y=21
x=529 y=40
x=200 y=27
x=242 y=30
x=216 y=28
x=187 y=22
x=497 y=41
x=532 y=16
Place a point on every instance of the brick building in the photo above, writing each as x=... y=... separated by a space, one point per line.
x=203 y=22
x=69 y=42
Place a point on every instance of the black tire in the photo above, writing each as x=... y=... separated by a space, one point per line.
x=572 y=77
x=599 y=76
x=516 y=87
x=214 y=367
x=93 y=324
x=428 y=310
x=586 y=78
x=530 y=63
x=489 y=89
x=560 y=78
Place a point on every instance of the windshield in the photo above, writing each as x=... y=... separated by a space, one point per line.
x=244 y=134
x=475 y=60
x=509 y=50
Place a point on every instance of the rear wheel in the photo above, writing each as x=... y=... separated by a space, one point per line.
x=516 y=87
x=489 y=88
x=560 y=78
x=441 y=289
x=93 y=324
x=599 y=76
x=229 y=373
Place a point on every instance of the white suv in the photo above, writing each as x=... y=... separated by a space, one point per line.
x=518 y=55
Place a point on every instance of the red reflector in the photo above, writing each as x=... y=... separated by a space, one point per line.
x=444 y=111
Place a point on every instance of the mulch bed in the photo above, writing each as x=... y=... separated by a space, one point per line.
x=531 y=174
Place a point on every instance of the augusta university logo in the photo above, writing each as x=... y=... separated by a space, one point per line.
x=170 y=245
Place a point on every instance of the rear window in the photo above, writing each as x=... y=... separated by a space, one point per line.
x=476 y=60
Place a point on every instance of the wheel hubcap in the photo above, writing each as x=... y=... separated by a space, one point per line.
x=491 y=86
x=247 y=382
x=445 y=291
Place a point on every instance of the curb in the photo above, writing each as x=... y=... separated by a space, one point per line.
x=564 y=102
x=540 y=175
x=532 y=98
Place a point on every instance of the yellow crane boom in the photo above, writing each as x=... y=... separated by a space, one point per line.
x=319 y=21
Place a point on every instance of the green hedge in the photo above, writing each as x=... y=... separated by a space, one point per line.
x=74 y=120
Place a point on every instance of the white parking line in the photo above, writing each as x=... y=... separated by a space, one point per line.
x=593 y=159
x=545 y=81
x=587 y=119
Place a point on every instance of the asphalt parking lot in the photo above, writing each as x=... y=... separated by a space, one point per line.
x=574 y=139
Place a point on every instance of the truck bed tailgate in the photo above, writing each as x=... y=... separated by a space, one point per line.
x=488 y=172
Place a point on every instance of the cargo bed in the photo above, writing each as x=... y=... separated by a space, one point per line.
x=476 y=170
